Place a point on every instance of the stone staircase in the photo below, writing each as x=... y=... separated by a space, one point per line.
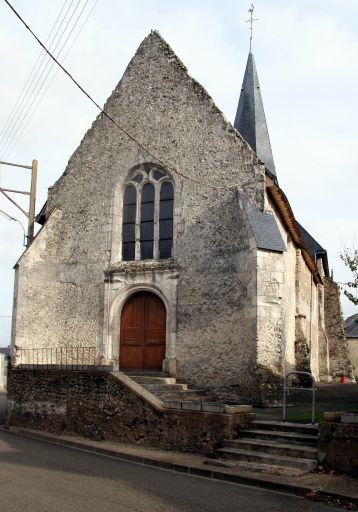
x=272 y=447
x=167 y=388
x=181 y=396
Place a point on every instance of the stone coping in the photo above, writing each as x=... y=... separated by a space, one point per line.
x=154 y=401
x=215 y=407
x=187 y=406
x=139 y=391
x=335 y=489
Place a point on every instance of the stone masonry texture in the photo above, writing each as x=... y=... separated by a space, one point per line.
x=60 y=298
x=234 y=312
x=98 y=406
x=339 y=443
x=338 y=348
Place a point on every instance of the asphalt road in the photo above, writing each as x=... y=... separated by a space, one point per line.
x=40 y=477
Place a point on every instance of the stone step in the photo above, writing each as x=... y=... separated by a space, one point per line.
x=179 y=395
x=166 y=387
x=285 y=426
x=144 y=379
x=305 y=465
x=286 y=450
x=281 y=436
x=187 y=392
x=185 y=399
x=203 y=406
x=137 y=373
x=256 y=468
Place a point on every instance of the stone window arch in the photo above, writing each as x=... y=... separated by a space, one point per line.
x=147 y=218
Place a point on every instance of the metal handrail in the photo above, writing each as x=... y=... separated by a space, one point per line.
x=285 y=388
x=57 y=358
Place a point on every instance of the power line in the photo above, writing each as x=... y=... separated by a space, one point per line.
x=110 y=118
x=35 y=93
x=35 y=71
x=41 y=69
x=30 y=75
x=54 y=76
x=11 y=136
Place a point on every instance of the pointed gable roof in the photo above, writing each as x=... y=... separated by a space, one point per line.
x=250 y=118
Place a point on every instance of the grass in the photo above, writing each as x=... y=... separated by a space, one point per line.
x=306 y=417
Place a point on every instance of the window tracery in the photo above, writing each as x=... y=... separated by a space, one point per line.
x=147 y=221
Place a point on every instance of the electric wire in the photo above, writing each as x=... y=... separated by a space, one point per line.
x=40 y=70
x=30 y=74
x=110 y=118
x=20 y=107
x=14 y=143
x=5 y=146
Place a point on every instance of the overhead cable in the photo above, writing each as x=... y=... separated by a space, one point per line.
x=37 y=88
x=4 y=128
x=18 y=110
x=53 y=77
x=110 y=118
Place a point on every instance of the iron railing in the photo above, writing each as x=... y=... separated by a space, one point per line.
x=312 y=388
x=57 y=358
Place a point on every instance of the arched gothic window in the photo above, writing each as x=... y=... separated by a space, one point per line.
x=147 y=225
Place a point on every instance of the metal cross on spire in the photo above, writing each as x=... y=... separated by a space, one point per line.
x=251 y=20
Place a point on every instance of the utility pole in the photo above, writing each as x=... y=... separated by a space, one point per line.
x=32 y=198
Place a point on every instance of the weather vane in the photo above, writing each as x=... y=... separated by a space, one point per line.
x=251 y=20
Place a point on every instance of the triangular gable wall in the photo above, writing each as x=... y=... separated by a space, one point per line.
x=172 y=115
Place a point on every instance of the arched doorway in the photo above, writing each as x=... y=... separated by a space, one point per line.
x=142 y=336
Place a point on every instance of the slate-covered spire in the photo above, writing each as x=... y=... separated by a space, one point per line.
x=250 y=118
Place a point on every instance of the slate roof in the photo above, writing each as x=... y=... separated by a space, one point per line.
x=250 y=118
x=5 y=350
x=314 y=248
x=311 y=244
x=264 y=227
x=351 y=326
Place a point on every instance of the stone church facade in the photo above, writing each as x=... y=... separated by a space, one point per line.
x=180 y=253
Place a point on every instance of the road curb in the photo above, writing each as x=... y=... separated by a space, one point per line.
x=181 y=468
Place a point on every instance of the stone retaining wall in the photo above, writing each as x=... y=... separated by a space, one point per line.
x=339 y=442
x=99 y=406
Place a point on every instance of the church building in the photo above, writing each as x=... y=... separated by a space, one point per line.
x=167 y=245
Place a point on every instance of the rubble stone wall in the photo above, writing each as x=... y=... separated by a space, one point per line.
x=338 y=349
x=98 y=406
x=62 y=298
x=339 y=443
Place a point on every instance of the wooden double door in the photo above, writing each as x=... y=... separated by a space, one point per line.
x=143 y=331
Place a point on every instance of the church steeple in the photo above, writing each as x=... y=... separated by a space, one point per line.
x=250 y=118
